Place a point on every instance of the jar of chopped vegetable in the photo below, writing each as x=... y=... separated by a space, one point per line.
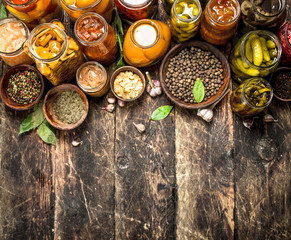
x=92 y=79
x=251 y=97
x=96 y=37
x=134 y=10
x=146 y=42
x=219 y=21
x=34 y=12
x=185 y=19
x=257 y=54
x=284 y=35
x=57 y=56
x=76 y=8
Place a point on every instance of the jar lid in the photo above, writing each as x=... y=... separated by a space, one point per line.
x=135 y=3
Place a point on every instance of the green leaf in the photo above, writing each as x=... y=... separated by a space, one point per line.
x=26 y=125
x=38 y=115
x=198 y=91
x=120 y=62
x=161 y=112
x=46 y=133
x=3 y=12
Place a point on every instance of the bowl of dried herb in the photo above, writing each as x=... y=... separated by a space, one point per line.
x=65 y=107
x=21 y=87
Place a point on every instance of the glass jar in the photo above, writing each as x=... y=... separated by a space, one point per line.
x=265 y=14
x=257 y=54
x=76 y=8
x=185 y=19
x=219 y=21
x=146 y=42
x=92 y=78
x=134 y=10
x=168 y=5
x=251 y=97
x=284 y=36
x=57 y=56
x=34 y=12
x=98 y=42
x=13 y=35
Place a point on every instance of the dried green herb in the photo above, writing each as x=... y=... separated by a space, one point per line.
x=198 y=91
x=161 y=112
x=119 y=35
x=3 y=12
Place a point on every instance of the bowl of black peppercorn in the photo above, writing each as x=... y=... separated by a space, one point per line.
x=187 y=62
x=21 y=87
x=281 y=84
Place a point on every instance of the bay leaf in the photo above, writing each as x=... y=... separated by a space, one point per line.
x=161 y=112
x=198 y=91
x=46 y=133
x=26 y=124
x=38 y=115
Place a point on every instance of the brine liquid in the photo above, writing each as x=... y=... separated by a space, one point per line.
x=135 y=2
x=145 y=35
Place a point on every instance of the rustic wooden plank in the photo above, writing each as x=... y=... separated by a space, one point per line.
x=262 y=195
x=204 y=169
x=145 y=172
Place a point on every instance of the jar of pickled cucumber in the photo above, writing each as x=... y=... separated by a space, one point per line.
x=219 y=21
x=76 y=8
x=134 y=10
x=34 y=12
x=168 y=5
x=257 y=54
x=57 y=56
x=251 y=97
x=185 y=19
x=146 y=42
x=263 y=14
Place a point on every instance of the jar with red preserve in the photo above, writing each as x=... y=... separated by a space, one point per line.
x=219 y=21
x=76 y=8
x=13 y=35
x=134 y=10
x=34 y=12
x=96 y=37
x=284 y=36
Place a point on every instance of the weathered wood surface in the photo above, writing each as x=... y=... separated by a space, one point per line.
x=182 y=179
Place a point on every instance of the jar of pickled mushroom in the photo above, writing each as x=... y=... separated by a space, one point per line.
x=34 y=12
x=13 y=35
x=134 y=10
x=96 y=37
x=168 y=5
x=263 y=14
x=219 y=21
x=251 y=97
x=57 y=56
x=146 y=42
x=92 y=78
x=185 y=19
x=76 y=8
x=257 y=54
x=284 y=36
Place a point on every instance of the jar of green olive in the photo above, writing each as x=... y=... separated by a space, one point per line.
x=251 y=97
x=185 y=19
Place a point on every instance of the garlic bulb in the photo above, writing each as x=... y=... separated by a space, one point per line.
x=153 y=87
x=206 y=114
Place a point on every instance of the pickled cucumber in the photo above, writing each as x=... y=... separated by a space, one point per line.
x=257 y=51
x=266 y=54
x=270 y=44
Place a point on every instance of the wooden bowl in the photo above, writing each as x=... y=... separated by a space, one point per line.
x=49 y=99
x=272 y=79
x=204 y=46
x=4 y=84
x=123 y=69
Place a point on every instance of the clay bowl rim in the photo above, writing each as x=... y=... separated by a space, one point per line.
x=4 y=82
x=204 y=46
x=272 y=79
x=123 y=69
x=50 y=98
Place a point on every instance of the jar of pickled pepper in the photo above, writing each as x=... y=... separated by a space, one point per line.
x=134 y=10
x=34 y=12
x=57 y=56
x=185 y=19
x=284 y=36
x=96 y=37
x=219 y=21
x=257 y=54
x=251 y=97
x=146 y=42
x=76 y=8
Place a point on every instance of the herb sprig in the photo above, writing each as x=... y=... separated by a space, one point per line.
x=119 y=35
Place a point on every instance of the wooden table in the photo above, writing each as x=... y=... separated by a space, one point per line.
x=183 y=179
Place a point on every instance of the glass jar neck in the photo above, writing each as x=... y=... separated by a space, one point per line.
x=99 y=40
x=77 y=8
x=197 y=2
x=135 y=3
x=34 y=34
x=281 y=9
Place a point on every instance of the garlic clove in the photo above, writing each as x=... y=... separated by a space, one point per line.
x=111 y=100
x=140 y=127
x=248 y=122
x=121 y=103
x=156 y=83
x=76 y=143
x=109 y=108
x=206 y=114
x=268 y=118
